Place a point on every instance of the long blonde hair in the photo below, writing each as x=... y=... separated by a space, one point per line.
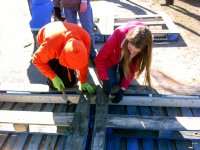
x=141 y=38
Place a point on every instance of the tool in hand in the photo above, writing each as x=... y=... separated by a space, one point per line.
x=65 y=97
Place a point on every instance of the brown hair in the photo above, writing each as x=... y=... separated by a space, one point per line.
x=141 y=38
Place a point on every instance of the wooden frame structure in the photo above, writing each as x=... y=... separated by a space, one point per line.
x=161 y=26
x=76 y=125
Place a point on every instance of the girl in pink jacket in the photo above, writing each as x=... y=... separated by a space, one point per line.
x=128 y=50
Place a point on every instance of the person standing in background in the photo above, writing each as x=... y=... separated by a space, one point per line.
x=84 y=10
x=41 y=11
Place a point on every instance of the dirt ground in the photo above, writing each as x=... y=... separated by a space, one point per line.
x=178 y=68
x=175 y=66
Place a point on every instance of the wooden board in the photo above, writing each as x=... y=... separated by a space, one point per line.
x=77 y=137
x=134 y=100
x=98 y=138
x=154 y=123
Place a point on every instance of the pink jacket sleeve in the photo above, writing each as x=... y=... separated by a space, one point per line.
x=104 y=59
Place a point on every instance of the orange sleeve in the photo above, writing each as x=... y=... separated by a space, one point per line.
x=85 y=37
x=83 y=74
x=41 y=58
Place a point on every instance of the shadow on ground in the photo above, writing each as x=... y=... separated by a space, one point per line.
x=32 y=72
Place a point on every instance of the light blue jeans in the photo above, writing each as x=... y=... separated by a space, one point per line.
x=86 y=20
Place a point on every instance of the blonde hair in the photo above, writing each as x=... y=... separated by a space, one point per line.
x=141 y=38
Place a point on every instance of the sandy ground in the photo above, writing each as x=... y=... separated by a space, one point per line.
x=175 y=66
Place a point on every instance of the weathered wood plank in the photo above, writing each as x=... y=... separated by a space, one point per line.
x=140 y=18
x=134 y=100
x=153 y=122
x=37 y=98
x=77 y=138
x=151 y=134
x=10 y=141
x=49 y=143
x=173 y=112
x=153 y=23
x=196 y=143
x=147 y=142
x=22 y=137
x=132 y=143
x=161 y=100
x=36 y=139
x=98 y=138
x=4 y=136
x=37 y=118
x=162 y=144
x=169 y=23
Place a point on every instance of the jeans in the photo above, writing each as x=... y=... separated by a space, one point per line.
x=86 y=20
x=112 y=73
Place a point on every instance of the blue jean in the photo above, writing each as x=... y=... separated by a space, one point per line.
x=86 y=20
x=112 y=73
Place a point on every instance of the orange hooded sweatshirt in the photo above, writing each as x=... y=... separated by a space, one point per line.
x=68 y=43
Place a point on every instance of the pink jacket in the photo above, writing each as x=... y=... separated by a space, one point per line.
x=109 y=55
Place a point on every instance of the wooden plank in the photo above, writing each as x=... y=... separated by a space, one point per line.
x=196 y=143
x=147 y=143
x=24 y=87
x=138 y=18
x=12 y=138
x=98 y=138
x=163 y=100
x=4 y=136
x=44 y=129
x=22 y=137
x=173 y=112
x=111 y=140
x=51 y=140
x=181 y=145
x=37 y=118
x=132 y=143
x=114 y=143
x=36 y=139
x=153 y=23
x=38 y=88
x=79 y=128
x=134 y=100
x=153 y=122
x=150 y=134
x=162 y=145
x=169 y=23
x=37 y=98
